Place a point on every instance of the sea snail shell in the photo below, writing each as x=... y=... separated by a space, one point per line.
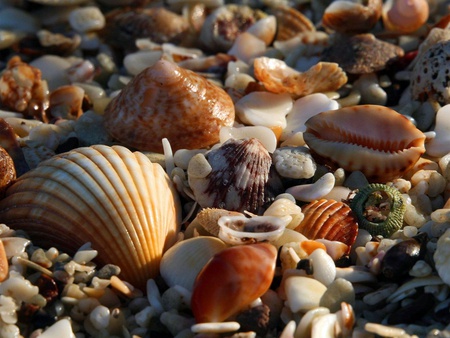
x=405 y=16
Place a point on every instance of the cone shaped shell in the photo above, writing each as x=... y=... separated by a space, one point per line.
x=118 y=200
x=167 y=101
x=376 y=140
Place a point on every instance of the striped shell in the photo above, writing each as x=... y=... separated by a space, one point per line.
x=376 y=140
x=167 y=101
x=118 y=200
x=330 y=220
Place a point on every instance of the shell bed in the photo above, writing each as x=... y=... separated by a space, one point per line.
x=224 y=169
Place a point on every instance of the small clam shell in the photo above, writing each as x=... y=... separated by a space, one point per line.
x=237 y=230
x=118 y=200
x=347 y=16
x=181 y=263
x=290 y=22
x=232 y=280
x=238 y=177
x=167 y=101
x=278 y=77
x=383 y=147
x=329 y=219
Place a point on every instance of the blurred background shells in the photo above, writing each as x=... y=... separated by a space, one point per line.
x=167 y=101
x=119 y=201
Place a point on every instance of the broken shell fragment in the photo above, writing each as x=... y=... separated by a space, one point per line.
x=167 y=101
x=119 y=201
x=232 y=280
x=238 y=230
x=330 y=220
x=376 y=140
x=238 y=177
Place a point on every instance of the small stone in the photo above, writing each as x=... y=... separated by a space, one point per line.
x=255 y=319
x=107 y=271
x=337 y=292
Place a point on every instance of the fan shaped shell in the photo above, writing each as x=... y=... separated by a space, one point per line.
x=118 y=200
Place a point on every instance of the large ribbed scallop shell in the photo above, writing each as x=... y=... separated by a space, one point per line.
x=330 y=220
x=376 y=140
x=167 y=101
x=118 y=200
x=238 y=179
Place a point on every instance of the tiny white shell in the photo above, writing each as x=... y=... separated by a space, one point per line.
x=313 y=191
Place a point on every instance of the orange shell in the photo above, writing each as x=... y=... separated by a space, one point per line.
x=376 y=140
x=231 y=280
x=330 y=220
x=167 y=101
x=405 y=16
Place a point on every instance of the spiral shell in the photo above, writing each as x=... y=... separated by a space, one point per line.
x=373 y=139
x=118 y=200
x=330 y=220
x=167 y=101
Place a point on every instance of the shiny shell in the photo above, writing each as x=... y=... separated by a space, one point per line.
x=351 y=17
x=330 y=220
x=182 y=262
x=232 y=280
x=118 y=200
x=290 y=22
x=278 y=77
x=361 y=53
x=376 y=140
x=167 y=101
x=405 y=16
x=235 y=176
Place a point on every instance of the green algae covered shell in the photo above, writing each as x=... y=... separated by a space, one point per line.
x=379 y=209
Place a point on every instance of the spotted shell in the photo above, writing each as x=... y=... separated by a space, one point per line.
x=231 y=280
x=375 y=140
x=329 y=219
x=119 y=201
x=237 y=176
x=167 y=101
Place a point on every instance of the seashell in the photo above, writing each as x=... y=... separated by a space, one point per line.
x=225 y=23
x=290 y=22
x=429 y=79
x=4 y=264
x=21 y=88
x=118 y=200
x=361 y=53
x=9 y=142
x=7 y=171
x=352 y=17
x=124 y=26
x=383 y=147
x=166 y=101
x=237 y=176
x=264 y=29
x=313 y=191
x=405 y=16
x=236 y=230
x=65 y=102
x=278 y=77
x=246 y=47
x=208 y=218
x=232 y=280
x=182 y=262
x=263 y=134
x=379 y=209
x=283 y=206
x=324 y=269
x=303 y=293
x=330 y=220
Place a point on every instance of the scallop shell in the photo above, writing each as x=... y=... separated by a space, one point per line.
x=232 y=280
x=235 y=176
x=290 y=22
x=376 y=140
x=167 y=101
x=330 y=220
x=278 y=77
x=118 y=200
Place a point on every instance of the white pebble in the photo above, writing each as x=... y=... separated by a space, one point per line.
x=87 y=19
x=313 y=191
x=215 y=327
x=100 y=317
x=62 y=328
x=323 y=266
x=303 y=293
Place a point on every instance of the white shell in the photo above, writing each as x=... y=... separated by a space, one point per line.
x=303 y=293
x=323 y=266
x=440 y=144
x=118 y=200
x=181 y=264
x=313 y=191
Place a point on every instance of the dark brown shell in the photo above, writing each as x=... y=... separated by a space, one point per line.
x=330 y=220
x=361 y=53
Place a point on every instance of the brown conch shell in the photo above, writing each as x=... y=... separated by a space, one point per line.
x=167 y=101
x=237 y=176
x=329 y=219
x=376 y=140
x=119 y=201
